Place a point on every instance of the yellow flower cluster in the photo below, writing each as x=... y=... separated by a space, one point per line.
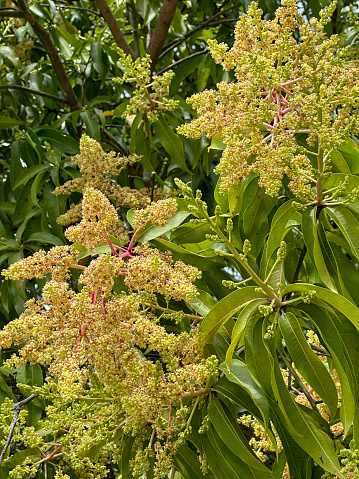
x=260 y=441
x=109 y=347
x=98 y=215
x=150 y=95
x=284 y=86
x=97 y=169
x=57 y=261
x=153 y=271
x=157 y=213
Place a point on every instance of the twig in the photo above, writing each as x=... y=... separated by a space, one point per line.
x=204 y=24
x=300 y=384
x=115 y=29
x=59 y=68
x=16 y=408
x=202 y=52
x=34 y=92
x=11 y=13
x=161 y=29
x=135 y=28
x=68 y=7
x=318 y=349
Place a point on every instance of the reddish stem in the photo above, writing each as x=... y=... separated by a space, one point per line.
x=109 y=242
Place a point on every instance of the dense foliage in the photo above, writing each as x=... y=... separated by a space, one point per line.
x=179 y=294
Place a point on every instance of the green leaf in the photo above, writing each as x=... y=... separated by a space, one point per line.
x=8 y=122
x=92 y=124
x=350 y=152
x=55 y=206
x=100 y=59
x=59 y=141
x=187 y=462
x=149 y=232
x=341 y=339
x=205 y=262
x=191 y=233
x=313 y=440
x=35 y=375
x=119 y=110
x=279 y=228
x=30 y=173
x=223 y=462
x=18 y=458
x=239 y=326
x=227 y=429
x=335 y=300
x=237 y=394
x=7 y=207
x=99 y=249
x=171 y=142
x=226 y=308
x=239 y=374
x=202 y=303
x=263 y=364
x=307 y=362
x=348 y=225
x=126 y=457
x=5 y=297
x=256 y=213
x=348 y=274
x=136 y=124
x=143 y=147
x=7 y=389
x=310 y=235
x=45 y=238
x=23 y=204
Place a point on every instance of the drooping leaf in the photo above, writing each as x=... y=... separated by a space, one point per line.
x=226 y=308
x=171 y=142
x=307 y=362
x=246 y=312
x=227 y=428
x=348 y=224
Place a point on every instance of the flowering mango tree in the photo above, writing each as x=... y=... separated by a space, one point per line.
x=199 y=316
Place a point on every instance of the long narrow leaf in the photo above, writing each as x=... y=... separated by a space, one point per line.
x=307 y=362
x=226 y=308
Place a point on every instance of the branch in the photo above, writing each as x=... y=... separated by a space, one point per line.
x=115 y=29
x=16 y=408
x=161 y=29
x=60 y=71
x=11 y=13
x=135 y=28
x=34 y=92
x=318 y=349
x=204 y=24
x=300 y=384
x=67 y=7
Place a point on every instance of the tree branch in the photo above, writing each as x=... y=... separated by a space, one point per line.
x=46 y=39
x=11 y=13
x=34 y=92
x=115 y=29
x=161 y=29
x=68 y=7
x=181 y=39
x=135 y=28
x=16 y=408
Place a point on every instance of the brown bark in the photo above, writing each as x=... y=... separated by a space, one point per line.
x=115 y=29
x=159 y=35
x=60 y=71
